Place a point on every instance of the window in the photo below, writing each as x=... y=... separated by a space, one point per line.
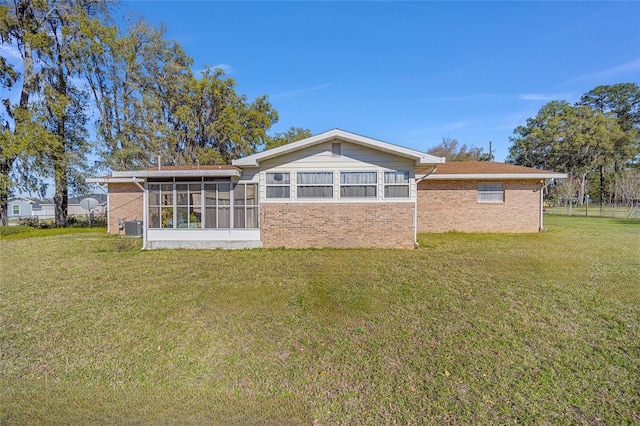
x=490 y=193
x=336 y=149
x=315 y=185
x=358 y=184
x=16 y=209
x=278 y=185
x=396 y=184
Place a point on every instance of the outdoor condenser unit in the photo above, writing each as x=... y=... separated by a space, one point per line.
x=133 y=228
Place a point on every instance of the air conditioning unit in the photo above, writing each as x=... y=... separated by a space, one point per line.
x=133 y=228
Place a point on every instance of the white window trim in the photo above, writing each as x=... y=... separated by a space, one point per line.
x=374 y=184
x=380 y=185
x=290 y=185
x=385 y=185
x=333 y=185
x=480 y=192
x=13 y=210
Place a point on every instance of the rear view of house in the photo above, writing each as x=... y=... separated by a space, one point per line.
x=335 y=189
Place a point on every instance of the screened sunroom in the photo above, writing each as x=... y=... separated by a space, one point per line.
x=202 y=205
x=209 y=212
x=189 y=207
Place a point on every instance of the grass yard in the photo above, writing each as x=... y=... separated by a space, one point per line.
x=468 y=329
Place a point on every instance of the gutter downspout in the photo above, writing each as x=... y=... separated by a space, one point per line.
x=415 y=210
x=108 y=208
x=541 y=226
x=145 y=213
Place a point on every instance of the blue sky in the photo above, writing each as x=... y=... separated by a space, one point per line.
x=409 y=73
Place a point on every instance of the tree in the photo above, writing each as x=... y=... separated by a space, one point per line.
x=151 y=105
x=45 y=32
x=17 y=25
x=627 y=187
x=292 y=135
x=568 y=190
x=567 y=138
x=451 y=149
x=622 y=102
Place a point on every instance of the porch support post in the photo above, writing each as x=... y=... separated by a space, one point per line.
x=145 y=213
x=541 y=209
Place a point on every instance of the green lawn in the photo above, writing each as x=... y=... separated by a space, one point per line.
x=467 y=329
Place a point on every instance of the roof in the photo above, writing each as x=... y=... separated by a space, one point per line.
x=337 y=134
x=100 y=198
x=169 y=172
x=490 y=170
x=26 y=200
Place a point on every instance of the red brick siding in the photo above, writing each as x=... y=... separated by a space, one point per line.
x=453 y=206
x=125 y=202
x=384 y=225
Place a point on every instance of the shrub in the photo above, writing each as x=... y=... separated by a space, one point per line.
x=32 y=222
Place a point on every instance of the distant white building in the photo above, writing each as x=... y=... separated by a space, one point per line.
x=22 y=208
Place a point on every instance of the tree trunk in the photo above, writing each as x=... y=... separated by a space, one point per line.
x=4 y=193
x=61 y=197
x=582 y=189
x=602 y=187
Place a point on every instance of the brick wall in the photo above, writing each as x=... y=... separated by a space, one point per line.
x=387 y=225
x=453 y=206
x=125 y=202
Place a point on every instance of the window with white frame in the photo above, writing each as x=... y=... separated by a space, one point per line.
x=358 y=184
x=490 y=192
x=278 y=185
x=16 y=210
x=314 y=185
x=396 y=184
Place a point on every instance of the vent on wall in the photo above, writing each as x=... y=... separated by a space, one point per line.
x=133 y=228
x=336 y=149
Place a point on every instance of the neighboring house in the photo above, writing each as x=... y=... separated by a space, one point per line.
x=335 y=189
x=74 y=208
x=20 y=207
x=44 y=209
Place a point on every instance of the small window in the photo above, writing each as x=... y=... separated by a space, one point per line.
x=490 y=193
x=16 y=210
x=396 y=184
x=315 y=185
x=358 y=184
x=278 y=185
x=336 y=149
